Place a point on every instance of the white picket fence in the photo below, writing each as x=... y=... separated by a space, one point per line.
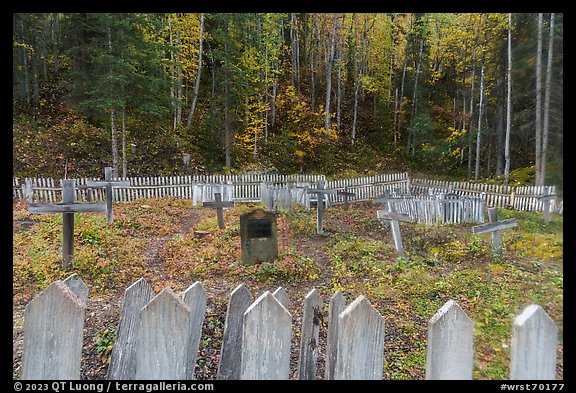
x=519 y=198
x=158 y=337
x=248 y=188
x=439 y=208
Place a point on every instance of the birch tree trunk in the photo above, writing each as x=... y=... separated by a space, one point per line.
x=508 y=107
x=477 y=168
x=412 y=136
x=198 y=77
x=545 y=126
x=539 y=104
x=329 y=75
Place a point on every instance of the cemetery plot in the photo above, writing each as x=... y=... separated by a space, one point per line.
x=352 y=258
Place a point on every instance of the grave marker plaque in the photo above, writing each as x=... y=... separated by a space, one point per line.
x=259 y=237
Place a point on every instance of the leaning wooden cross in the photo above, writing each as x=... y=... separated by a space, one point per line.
x=218 y=204
x=108 y=183
x=546 y=202
x=346 y=194
x=393 y=218
x=68 y=207
x=320 y=191
x=494 y=227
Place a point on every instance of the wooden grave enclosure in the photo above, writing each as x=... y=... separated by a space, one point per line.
x=158 y=337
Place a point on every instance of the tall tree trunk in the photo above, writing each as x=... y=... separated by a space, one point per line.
x=508 y=107
x=178 y=80
x=124 y=157
x=23 y=57
x=539 y=103
x=227 y=131
x=412 y=137
x=545 y=127
x=114 y=134
x=329 y=75
x=470 y=139
x=394 y=130
x=55 y=40
x=312 y=76
x=339 y=95
x=500 y=125
x=477 y=168
x=114 y=129
x=198 y=77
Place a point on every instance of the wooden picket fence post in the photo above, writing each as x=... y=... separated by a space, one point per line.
x=158 y=337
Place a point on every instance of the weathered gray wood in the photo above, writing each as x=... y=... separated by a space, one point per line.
x=386 y=215
x=546 y=199
x=397 y=237
x=392 y=218
x=88 y=207
x=53 y=334
x=123 y=357
x=360 y=342
x=346 y=194
x=496 y=238
x=163 y=337
x=231 y=352
x=282 y=296
x=195 y=298
x=309 y=334
x=67 y=225
x=76 y=285
x=494 y=227
x=67 y=208
x=218 y=204
x=108 y=184
x=266 y=340
x=497 y=226
x=534 y=345
x=335 y=308
x=449 y=353
x=320 y=191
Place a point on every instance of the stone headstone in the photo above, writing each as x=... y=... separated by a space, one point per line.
x=259 y=237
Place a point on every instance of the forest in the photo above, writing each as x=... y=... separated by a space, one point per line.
x=468 y=96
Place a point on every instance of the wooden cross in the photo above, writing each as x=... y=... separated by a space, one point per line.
x=345 y=194
x=218 y=205
x=108 y=183
x=393 y=218
x=494 y=227
x=68 y=207
x=546 y=201
x=320 y=192
x=385 y=198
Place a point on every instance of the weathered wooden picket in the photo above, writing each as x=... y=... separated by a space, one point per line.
x=158 y=337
